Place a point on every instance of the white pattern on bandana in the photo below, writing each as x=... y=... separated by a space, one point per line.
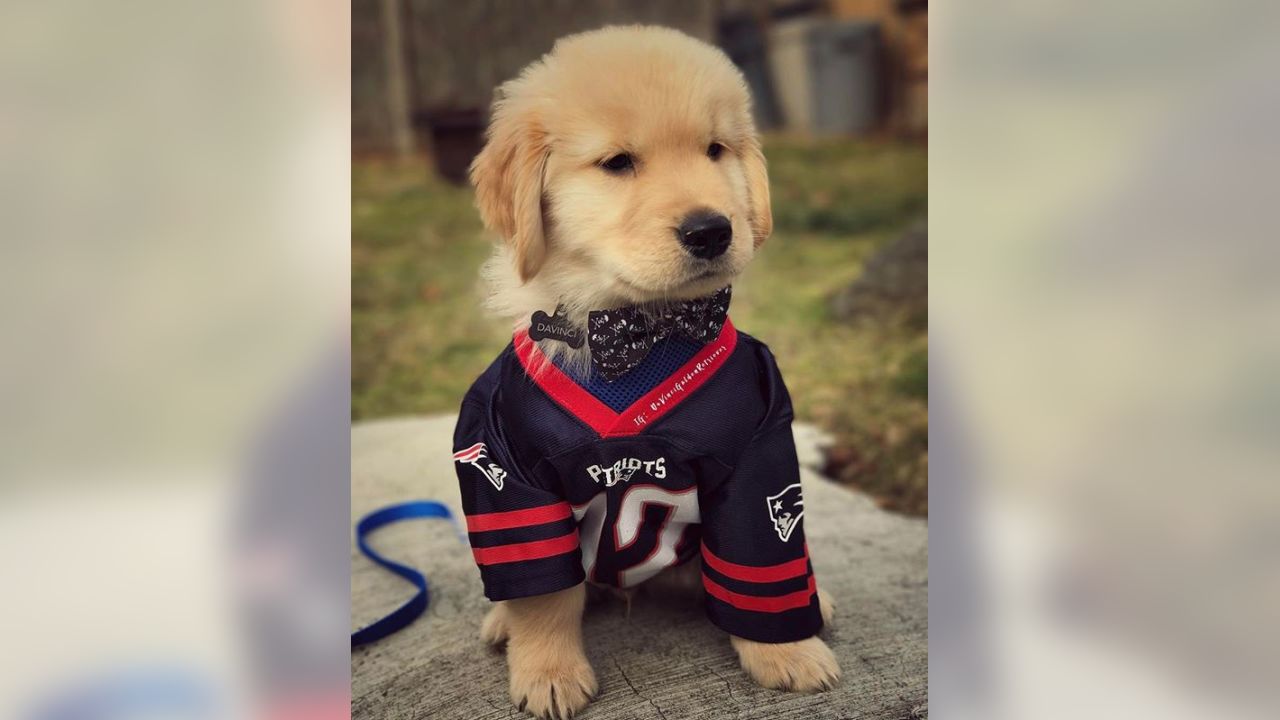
x=621 y=338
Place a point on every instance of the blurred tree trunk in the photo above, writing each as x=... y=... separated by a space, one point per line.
x=402 y=143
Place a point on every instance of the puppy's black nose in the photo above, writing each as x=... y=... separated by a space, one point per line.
x=706 y=234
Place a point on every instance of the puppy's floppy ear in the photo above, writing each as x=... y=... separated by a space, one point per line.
x=757 y=190
x=508 y=176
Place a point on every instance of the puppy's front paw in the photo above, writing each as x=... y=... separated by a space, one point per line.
x=803 y=666
x=496 y=627
x=551 y=682
x=826 y=606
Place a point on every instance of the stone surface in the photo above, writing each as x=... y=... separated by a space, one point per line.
x=664 y=660
x=894 y=283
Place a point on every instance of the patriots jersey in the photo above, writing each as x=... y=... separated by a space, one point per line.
x=690 y=453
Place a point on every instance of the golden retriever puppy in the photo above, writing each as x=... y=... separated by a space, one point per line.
x=623 y=170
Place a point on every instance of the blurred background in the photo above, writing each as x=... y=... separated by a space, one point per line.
x=175 y=276
x=839 y=292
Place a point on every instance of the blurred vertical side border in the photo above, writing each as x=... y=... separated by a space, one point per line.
x=174 y=456
x=1104 y=306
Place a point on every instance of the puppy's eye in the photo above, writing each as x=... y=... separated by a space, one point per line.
x=714 y=150
x=621 y=162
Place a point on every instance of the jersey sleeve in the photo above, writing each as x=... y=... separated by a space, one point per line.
x=524 y=538
x=755 y=563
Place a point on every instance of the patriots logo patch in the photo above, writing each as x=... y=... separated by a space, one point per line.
x=477 y=457
x=785 y=510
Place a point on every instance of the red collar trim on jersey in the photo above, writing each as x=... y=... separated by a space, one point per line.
x=659 y=401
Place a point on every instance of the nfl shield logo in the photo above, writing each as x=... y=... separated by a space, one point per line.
x=785 y=510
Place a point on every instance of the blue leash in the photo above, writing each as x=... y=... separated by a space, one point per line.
x=409 y=611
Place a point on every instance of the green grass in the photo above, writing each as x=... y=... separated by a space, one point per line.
x=419 y=339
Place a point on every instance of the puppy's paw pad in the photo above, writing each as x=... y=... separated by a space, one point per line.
x=803 y=666
x=557 y=690
x=494 y=629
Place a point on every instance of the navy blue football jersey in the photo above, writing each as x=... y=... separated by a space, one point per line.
x=612 y=482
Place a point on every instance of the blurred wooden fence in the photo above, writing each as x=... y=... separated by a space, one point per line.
x=423 y=71
x=457 y=51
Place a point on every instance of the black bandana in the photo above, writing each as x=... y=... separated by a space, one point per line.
x=622 y=337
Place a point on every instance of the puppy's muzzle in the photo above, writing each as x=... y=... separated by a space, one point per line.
x=705 y=234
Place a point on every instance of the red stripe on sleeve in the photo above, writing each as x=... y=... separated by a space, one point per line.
x=516 y=552
x=757 y=574
x=775 y=604
x=518 y=518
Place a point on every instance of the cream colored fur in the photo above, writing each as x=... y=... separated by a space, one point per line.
x=578 y=236
x=550 y=675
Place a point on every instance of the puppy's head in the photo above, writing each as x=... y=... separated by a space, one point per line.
x=625 y=163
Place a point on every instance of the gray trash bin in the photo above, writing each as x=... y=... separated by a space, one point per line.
x=827 y=75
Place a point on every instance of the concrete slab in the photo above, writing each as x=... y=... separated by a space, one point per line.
x=665 y=660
